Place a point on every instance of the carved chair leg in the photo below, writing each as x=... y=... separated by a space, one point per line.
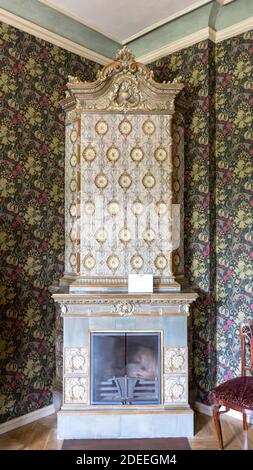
x=244 y=418
x=216 y=419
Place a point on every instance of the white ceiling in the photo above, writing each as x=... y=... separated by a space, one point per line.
x=124 y=20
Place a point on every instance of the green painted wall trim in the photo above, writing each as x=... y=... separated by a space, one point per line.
x=56 y=22
x=173 y=31
x=233 y=13
x=213 y=15
x=216 y=7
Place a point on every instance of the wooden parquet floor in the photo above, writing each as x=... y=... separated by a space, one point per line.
x=41 y=435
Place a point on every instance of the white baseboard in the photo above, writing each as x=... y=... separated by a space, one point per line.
x=49 y=410
x=26 y=419
x=208 y=410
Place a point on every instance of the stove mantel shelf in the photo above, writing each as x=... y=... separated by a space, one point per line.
x=122 y=304
x=58 y=294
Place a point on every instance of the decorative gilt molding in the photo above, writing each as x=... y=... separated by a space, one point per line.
x=121 y=86
x=125 y=309
x=99 y=301
x=134 y=307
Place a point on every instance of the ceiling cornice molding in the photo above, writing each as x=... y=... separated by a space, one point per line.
x=197 y=4
x=53 y=38
x=205 y=33
x=224 y=2
x=187 y=41
x=174 y=46
x=234 y=30
x=176 y=16
x=64 y=12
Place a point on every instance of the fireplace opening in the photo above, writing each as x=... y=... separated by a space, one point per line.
x=125 y=368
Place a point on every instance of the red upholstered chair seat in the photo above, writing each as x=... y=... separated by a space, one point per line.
x=237 y=392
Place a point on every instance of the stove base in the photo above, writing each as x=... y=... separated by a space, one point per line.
x=125 y=425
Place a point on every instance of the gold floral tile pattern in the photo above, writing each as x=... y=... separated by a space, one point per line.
x=137 y=154
x=124 y=174
x=160 y=154
x=125 y=127
x=148 y=180
x=161 y=208
x=125 y=235
x=101 y=236
x=89 y=153
x=137 y=262
x=101 y=181
x=178 y=129
x=89 y=207
x=113 y=154
x=137 y=207
x=148 y=127
x=149 y=235
x=73 y=135
x=113 y=207
x=70 y=202
x=73 y=186
x=161 y=262
x=113 y=263
x=89 y=262
x=101 y=127
x=72 y=210
x=125 y=180
x=72 y=259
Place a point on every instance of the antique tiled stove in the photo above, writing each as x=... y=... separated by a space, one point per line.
x=124 y=355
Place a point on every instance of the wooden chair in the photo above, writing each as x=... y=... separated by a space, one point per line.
x=236 y=394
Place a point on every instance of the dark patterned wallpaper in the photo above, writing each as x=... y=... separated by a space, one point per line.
x=192 y=65
x=234 y=198
x=218 y=199
x=33 y=75
x=218 y=195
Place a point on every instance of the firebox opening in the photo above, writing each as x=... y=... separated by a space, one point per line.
x=125 y=368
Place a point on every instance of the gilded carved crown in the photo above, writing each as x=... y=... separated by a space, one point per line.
x=122 y=85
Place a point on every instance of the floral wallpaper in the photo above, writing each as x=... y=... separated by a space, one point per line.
x=218 y=200
x=33 y=75
x=218 y=206
x=192 y=66
x=234 y=198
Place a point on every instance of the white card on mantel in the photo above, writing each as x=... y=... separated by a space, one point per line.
x=140 y=283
